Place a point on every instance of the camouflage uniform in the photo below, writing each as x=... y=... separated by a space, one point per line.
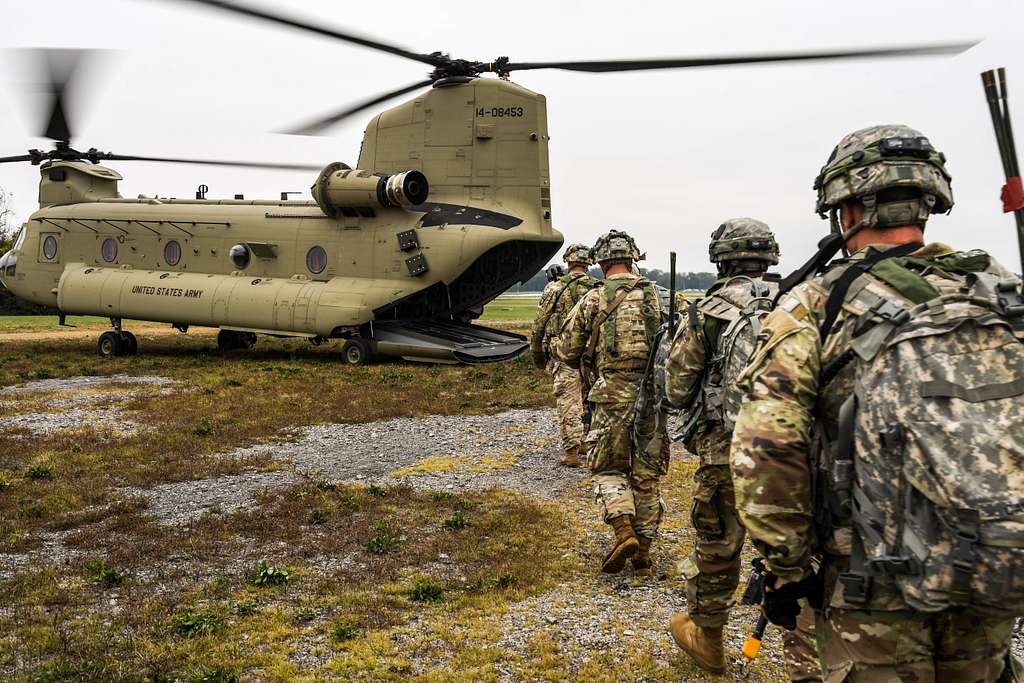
x=778 y=462
x=713 y=569
x=556 y=302
x=625 y=481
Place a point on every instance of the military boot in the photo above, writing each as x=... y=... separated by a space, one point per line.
x=704 y=645
x=642 y=559
x=625 y=545
x=571 y=458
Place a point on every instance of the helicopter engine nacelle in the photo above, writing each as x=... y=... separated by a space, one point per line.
x=344 y=190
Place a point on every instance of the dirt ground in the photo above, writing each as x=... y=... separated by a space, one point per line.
x=417 y=515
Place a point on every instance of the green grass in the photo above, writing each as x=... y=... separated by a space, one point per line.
x=45 y=323
x=522 y=308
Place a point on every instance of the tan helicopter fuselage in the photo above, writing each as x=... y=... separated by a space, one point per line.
x=315 y=268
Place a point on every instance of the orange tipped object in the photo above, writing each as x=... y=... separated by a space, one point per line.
x=752 y=646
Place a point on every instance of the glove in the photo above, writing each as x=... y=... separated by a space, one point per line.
x=780 y=604
x=540 y=361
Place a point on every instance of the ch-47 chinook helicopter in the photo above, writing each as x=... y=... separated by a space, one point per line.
x=449 y=204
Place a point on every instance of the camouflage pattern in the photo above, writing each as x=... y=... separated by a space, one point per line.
x=578 y=253
x=950 y=378
x=779 y=425
x=695 y=383
x=912 y=647
x=556 y=302
x=625 y=482
x=712 y=571
x=568 y=390
x=743 y=238
x=557 y=299
x=857 y=168
x=800 y=647
x=616 y=245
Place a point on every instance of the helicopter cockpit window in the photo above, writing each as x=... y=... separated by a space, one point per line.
x=240 y=256
x=316 y=260
x=21 y=239
x=172 y=253
x=109 y=249
x=50 y=248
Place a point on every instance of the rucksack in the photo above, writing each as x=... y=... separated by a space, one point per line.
x=927 y=463
x=731 y=333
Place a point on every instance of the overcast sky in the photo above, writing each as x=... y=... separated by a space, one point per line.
x=666 y=155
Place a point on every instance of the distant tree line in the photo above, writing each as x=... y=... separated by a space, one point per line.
x=699 y=281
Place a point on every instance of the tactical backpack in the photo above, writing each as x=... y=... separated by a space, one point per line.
x=731 y=334
x=927 y=463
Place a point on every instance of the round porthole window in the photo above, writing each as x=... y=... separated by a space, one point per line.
x=240 y=256
x=316 y=259
x=109 y=249
x=172 y=253
x=50 y=247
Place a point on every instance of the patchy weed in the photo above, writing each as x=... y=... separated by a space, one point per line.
x=385 y=539
x=455 y=522
x=344 y=629
x=318 y=516
x=103 y=574
x=426 y=590
x=268 y=575
x=194 y=624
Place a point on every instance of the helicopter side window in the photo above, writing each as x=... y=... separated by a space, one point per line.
x=316 y=259
x=109 y=249
x=240 y=256
x=172 y=253
x=50 y=248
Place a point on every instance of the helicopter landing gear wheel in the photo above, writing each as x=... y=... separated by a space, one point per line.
x=356 y=351
x=230 y=340
x=110 y=345
x=129 y=344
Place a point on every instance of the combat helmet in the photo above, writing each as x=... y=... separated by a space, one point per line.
x=743 y=239
x=579 y=253
x=872 y=160
x=616 y=245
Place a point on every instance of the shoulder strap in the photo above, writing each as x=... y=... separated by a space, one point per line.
x=828 y=247
x=837 y=296
x=554 y=302
x=603 y=314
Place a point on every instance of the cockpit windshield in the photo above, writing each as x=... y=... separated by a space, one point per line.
x=20 y=239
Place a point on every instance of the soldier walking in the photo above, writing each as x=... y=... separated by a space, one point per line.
x=709 y=352
x=883 y=432
x=558 y=299
x=609 y=336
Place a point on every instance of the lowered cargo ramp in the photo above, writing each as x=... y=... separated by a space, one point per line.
x=445 y=342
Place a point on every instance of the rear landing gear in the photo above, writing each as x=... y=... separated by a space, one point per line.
x=230 y=340
x=116 y=343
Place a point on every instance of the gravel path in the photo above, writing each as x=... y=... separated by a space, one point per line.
x=82 y=402
x=517 y=450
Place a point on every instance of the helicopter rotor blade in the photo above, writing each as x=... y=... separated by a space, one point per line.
x=314 y=127
x=321 y=30
x=59 y=66
x=210 y=162
x=691 y=62
x=8 y=160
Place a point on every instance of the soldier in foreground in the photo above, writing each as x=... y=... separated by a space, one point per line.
x=710 y=350
x=558 y=299
x=608 y=336
x=883 y=432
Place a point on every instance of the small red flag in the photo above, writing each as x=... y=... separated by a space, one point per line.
x=1012 y=194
